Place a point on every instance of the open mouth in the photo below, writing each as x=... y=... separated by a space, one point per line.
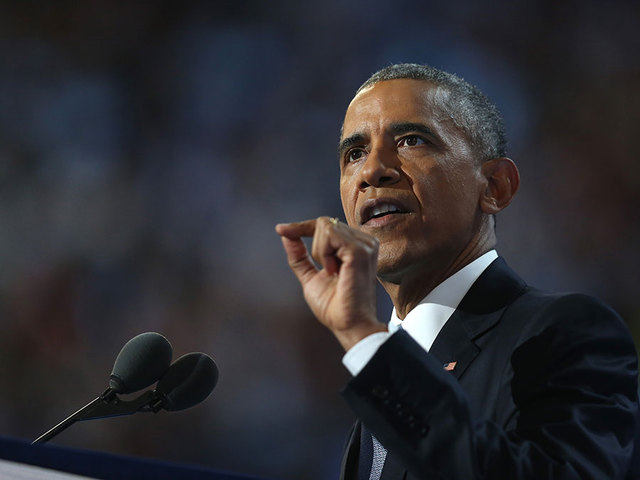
x=380 y=209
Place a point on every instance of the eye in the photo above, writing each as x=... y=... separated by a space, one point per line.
x=354 y=154
x=411 y=141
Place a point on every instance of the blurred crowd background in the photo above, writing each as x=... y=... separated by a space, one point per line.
x=147 y=149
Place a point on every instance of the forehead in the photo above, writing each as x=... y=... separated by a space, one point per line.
x=394 y=101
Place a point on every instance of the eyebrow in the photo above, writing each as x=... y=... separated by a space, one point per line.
x=406 y=127
x=395 y=128
x=355 y=139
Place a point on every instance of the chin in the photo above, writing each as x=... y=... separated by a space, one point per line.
x=393 y=265
x=398 y=263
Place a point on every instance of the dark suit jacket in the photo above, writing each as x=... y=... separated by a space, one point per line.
x=544 y=388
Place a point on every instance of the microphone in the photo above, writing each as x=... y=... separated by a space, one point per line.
x=142 y=361
x=189 y=380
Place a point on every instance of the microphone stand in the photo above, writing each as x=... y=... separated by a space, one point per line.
x=106 y=405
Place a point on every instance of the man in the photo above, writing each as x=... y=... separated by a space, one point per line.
x=477 y=375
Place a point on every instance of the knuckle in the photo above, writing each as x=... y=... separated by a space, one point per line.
x=293 y=262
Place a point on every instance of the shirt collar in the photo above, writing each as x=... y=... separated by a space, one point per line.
x=426 y=319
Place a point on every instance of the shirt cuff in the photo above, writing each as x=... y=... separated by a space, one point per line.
x=359 y=355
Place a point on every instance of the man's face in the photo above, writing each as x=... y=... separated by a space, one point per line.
x=409 y=177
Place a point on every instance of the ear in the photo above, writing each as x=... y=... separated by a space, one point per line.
x=503 y=181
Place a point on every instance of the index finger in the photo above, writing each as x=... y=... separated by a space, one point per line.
x=305 y=228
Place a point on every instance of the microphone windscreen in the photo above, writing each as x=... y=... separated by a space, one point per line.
x=142 y=361
x=189 y=380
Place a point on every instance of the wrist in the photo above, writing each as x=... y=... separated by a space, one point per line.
x=350 y=336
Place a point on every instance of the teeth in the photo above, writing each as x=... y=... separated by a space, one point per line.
x=384 y=209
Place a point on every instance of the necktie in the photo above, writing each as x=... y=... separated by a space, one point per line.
x=372 y=456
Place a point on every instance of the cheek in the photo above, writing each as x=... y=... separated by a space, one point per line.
x=348 y=201
x=445 y=196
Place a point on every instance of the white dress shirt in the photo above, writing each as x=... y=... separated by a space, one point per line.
x=426 y=319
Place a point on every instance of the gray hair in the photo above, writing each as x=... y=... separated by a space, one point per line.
x=468 y=107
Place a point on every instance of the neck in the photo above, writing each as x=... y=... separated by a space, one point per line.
x=409 y=287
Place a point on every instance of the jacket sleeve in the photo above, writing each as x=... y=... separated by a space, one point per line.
x=573 y=383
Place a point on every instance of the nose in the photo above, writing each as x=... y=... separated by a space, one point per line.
x=381 y=168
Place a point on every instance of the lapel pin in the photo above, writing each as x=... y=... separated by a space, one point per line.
x=450 y=366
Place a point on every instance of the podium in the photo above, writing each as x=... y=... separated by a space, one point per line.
x=21 y=460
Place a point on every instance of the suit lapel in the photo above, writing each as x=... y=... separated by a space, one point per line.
x=349 y=467
x=454 y=345
x=479 y=310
